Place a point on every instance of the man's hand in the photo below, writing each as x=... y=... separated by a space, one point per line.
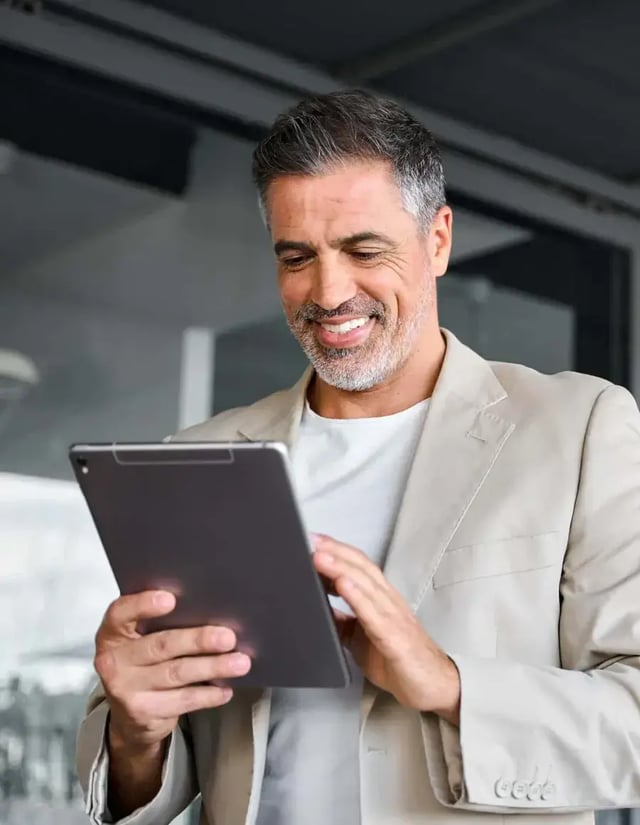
x=150 y=681
x=392 y=648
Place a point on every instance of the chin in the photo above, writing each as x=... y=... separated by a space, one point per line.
x=356 y=379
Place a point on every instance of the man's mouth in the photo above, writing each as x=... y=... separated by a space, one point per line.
x=344 y=332
x=345 y=326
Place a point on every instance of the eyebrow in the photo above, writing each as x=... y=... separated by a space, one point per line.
x=348 y=240
x=292 y=246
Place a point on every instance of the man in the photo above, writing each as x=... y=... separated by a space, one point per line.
x=480 y=524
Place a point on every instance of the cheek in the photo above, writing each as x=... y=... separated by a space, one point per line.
x=382 y=285
x=415 y=293
x=289 y=287
x=294 y=290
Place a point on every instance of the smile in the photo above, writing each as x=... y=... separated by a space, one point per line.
x=343 y=333
x=346 y=326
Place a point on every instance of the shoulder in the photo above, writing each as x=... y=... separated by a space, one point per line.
x=565 y=396
x=226 y=425
x=528 y=386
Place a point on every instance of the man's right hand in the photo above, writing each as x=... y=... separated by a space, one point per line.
x=151 y=680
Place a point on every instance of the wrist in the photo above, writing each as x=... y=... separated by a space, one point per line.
x=119 y=742
x=135 y=771
x=446 y=704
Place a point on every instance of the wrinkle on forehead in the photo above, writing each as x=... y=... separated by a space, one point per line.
x=339 y=203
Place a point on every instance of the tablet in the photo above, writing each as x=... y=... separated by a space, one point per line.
x=217 y=525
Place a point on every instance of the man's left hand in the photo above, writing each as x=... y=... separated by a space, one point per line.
x=389 y=644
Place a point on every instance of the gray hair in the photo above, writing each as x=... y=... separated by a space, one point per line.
x=326 y=131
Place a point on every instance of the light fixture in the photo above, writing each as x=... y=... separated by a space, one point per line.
x=18 y=372
x=8 y=154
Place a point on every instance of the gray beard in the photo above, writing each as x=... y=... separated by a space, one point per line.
x=361 y=369
x=370 y=367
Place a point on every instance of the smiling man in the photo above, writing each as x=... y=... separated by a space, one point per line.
x=477 y=524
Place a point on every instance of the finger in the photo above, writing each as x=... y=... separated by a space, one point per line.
x=333 y=568
x=375 y=607
x=333 y=559
x=326 y=544
x=372 y=605
x=126 y=611
x=328 y=585
x=377 y=616
x=172 y=644
x=192 y=670
x=330 y=549
x=168 y=704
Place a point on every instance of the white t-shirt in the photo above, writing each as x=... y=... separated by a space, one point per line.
x=350 y=476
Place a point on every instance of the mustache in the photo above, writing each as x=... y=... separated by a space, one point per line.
x=354 y=306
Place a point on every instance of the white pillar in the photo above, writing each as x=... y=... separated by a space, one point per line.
x=196 y=376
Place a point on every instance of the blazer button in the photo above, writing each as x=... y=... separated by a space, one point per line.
x=535 y=791
x=519 y=790
x=503 y=788
x=548 y=791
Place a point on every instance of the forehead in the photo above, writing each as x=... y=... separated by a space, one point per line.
x=353 y=194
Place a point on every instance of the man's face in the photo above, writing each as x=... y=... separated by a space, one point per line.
x=356 y=272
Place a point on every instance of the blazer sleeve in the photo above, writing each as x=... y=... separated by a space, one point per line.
x=564 y=739
x=179 y=784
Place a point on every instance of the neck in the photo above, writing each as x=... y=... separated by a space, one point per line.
x=413 y=383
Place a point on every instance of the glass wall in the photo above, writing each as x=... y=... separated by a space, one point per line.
x=70 y=373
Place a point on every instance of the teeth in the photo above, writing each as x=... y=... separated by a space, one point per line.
x=346 y=327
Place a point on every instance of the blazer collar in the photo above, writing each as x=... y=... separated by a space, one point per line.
x=465 y=378
x=280 y=414
x=461 y=440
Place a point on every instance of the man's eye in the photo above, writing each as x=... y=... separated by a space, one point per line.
x=294 y=263
x=361 y=255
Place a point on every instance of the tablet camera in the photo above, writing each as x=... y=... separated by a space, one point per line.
x=84 y=467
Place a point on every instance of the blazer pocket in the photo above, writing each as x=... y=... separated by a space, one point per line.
x=499 y=558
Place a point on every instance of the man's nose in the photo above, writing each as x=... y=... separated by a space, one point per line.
x=332 y=286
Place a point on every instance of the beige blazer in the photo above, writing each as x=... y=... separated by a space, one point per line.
x=518 y=547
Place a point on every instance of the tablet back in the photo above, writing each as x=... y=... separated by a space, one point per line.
x=218 y=525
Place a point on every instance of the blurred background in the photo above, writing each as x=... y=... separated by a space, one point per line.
x=137 y=288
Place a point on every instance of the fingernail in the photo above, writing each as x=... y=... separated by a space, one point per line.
x=240 y=663
x=316 y=540
x=164 y=599
x=224 y=637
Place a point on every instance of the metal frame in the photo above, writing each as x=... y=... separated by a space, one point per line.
x=144 y=46
x=443 y=34
x=180 y=61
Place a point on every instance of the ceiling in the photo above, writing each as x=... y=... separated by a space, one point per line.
x=47 y=205
x=53 y=111
x=562 y=76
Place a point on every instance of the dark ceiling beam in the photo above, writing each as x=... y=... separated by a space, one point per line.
x=452 y=31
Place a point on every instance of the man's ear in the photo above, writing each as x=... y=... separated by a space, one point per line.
x=440 y=240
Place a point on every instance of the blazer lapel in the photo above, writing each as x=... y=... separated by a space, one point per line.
x=460 y=442
x=280 y=420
